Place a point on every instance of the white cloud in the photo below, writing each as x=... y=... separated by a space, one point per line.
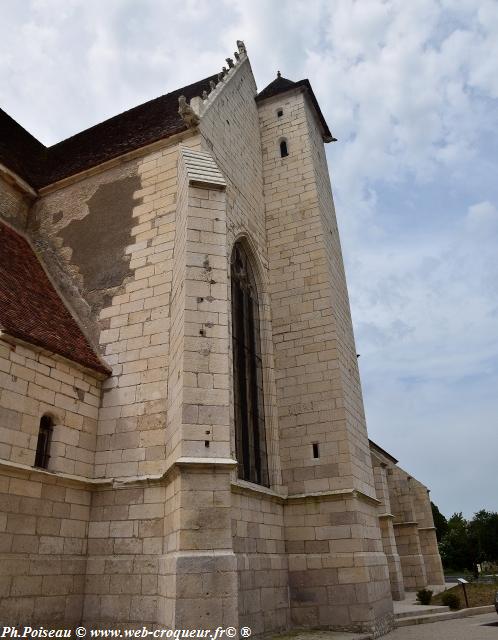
x=482 y=218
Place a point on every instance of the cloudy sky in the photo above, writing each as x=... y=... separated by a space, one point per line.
x=410 y=89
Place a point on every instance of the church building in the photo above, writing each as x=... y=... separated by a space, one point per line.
x=182 y=435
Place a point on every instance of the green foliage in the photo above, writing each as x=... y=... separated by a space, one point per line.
x=484 y=533
x=424 y=596
x=451 y=600
x=456 y=548
x=440 y=522
x=467 y=543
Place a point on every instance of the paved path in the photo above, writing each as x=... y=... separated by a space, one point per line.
x=482 y=627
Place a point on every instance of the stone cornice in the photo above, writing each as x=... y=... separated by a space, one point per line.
x=194 y=464
x=338 y=494
x=250 y=489
x=18 y=469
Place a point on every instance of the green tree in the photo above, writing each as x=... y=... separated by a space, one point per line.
x=465 y=543
x=440 y=522
x=483 y=530
x=456 y=547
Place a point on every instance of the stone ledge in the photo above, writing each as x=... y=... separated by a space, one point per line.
x=23 y=470
x=440 y=617
x=248 y=488
x=338 y=494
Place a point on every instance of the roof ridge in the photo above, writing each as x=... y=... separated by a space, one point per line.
x=127 y=111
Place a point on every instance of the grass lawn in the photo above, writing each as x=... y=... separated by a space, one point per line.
x=478 y=594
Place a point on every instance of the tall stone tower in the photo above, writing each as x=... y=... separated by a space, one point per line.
x=337 y=568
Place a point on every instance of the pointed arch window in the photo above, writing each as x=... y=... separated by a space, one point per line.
x=43 y=444
x=250 y=436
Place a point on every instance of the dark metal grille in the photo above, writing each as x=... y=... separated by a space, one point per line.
x=43 y=445
x=250 y=436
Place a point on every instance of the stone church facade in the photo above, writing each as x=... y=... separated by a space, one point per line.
x=182 y=434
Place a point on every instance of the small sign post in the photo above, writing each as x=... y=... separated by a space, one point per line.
x=463 y=582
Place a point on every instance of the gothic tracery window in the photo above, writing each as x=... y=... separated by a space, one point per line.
x=250 y=437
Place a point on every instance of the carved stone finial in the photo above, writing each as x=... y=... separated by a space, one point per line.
x=188 y=115
x=229 y=62
x=279 y=75
x=236 y=55
x=241 y=46
x=204 y=95
x=212 y=85
x=220 y=76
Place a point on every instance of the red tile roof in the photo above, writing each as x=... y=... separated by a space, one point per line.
x=32 y=310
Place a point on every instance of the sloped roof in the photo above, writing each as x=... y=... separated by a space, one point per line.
x=130 y=130
x=19 y=150
x=376 y=447
x=281 y=85
x=32 y=310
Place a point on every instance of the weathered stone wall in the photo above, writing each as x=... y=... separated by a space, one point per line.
x=406 y=529
x=259 y=543
x=387 y=530
x=34 y=383
x=427 y=534
x=318 y=394
x=230 y=132
x=125 y=543
x=14 y=204
x=43 y=547
x=115 y=233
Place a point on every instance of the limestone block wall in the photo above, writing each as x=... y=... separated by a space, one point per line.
x=341 y=341
x=198 y=575
x=114 y=231
x=230 y=132
x=34 y=383
x=318 y=395
x=198 y=414
x=125 y=542
x=309 y=300
x=43 y=547
x=406 y=529
x=387 y=530
x=262 y=567
x=427 y=533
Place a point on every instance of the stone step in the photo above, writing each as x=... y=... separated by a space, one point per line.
x=439 y=617
x=421 y=610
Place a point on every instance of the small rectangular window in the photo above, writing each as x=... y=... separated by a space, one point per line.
x=316 y=453
x=280 y=113
x=44 y=440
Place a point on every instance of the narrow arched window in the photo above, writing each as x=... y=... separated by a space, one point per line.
x=43 y=445
x=250 y=436
x=283 y=149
